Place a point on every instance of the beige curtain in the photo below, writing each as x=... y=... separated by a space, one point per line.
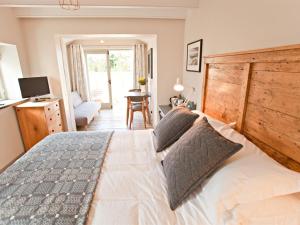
x=140 y=62
x=78 y=73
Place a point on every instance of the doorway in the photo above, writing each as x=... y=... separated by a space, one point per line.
x=111 y=42
x=110 y=76
x=99 y=80
x=122 y=76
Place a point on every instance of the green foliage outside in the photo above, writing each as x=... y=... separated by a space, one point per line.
x=119 y=62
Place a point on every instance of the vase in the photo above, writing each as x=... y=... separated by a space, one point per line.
x=143 y=88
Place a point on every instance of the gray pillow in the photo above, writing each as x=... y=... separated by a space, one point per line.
x=195 y=156
x=172 y=127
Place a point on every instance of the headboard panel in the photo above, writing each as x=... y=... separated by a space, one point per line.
x=225 y=91
x=260 y=90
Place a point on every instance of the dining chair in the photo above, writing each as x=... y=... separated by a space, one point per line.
x=128 y=104
x=137 y=104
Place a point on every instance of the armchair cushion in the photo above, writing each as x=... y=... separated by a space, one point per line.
x=76 y=99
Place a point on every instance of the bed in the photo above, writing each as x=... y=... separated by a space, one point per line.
x=260 y=91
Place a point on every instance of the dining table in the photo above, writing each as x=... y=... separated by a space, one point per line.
x=145 y=97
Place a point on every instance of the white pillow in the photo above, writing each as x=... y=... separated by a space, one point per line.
x=275 y=211
x=248 y=176
x=76 y=99
x=216 y=124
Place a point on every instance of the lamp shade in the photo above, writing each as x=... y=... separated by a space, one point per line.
x=178 y=86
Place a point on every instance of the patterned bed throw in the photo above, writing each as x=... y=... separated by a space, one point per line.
x=55 y=181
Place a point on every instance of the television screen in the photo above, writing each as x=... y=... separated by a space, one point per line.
x=34 y=86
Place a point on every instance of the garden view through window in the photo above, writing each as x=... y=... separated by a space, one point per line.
x=110 y=76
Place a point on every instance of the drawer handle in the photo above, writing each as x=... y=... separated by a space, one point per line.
x=48 y=109
x=52 y=131
x=58 y=114
x=60 y=125
x=56 y=104
x=50 y=118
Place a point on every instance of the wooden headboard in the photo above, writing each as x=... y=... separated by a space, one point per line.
x=260 y=90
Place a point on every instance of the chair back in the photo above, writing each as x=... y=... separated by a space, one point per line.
x=135 y=99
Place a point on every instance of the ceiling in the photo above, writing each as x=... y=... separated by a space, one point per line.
x=145 y=3
x=168 y=9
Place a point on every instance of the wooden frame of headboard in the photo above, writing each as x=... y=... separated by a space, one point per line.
x=260 y=91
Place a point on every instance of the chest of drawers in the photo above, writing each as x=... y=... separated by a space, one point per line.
x=37 y=120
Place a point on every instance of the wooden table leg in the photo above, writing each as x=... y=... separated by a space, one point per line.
x=127 y=111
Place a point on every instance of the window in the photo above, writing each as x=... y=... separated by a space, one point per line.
x=2 y=88
x=10 y=71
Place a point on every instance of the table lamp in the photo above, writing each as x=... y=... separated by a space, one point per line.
x=178 y=87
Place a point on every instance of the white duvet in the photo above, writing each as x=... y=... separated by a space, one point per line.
x=132 y=190
x=132 y=187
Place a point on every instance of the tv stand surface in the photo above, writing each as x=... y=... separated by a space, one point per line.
x=32 y=103
x=40 y=99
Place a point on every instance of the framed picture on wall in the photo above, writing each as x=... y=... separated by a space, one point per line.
x=194 y=56
x=150 y=63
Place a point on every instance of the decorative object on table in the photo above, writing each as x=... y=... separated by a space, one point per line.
x=173 y=101
x=150 y=63
x=194 y=56
x=142 y=82
x=178 y=87
x=69 y=4
x=190 y=105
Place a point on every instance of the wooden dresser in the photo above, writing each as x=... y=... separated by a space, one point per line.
x=37 y=120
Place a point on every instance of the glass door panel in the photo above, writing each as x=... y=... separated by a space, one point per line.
x=99 y=78
x=122 y=75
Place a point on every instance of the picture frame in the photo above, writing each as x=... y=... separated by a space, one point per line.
x=194 y=56
x=150 y=63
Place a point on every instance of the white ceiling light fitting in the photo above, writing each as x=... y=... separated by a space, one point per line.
x=69 y=4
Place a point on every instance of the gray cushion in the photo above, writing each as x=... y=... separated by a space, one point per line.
x=76 y=99
x=137 y=106
x=85 y=112
x=172 y=127
x=195 y=156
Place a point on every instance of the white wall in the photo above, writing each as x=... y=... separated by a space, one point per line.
x=39 y=35
x=11 y=33
x=10 y=70
x=235 y=25
x=152 y=83
x=11 y=145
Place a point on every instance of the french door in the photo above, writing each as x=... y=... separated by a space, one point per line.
x=99 y=77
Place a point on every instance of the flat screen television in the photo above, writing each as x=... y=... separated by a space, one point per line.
x=34 y=86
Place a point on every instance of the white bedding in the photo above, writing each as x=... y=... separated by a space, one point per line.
x=282 y=210
x=132 y=187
